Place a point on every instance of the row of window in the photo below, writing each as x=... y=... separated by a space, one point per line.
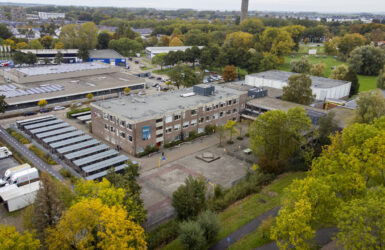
x=115 y=120
x=121 y=133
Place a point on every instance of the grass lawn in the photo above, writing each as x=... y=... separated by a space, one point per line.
x=242 y=212
x=161 y=71
x=366 y=82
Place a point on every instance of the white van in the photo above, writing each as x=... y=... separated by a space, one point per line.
x=4 y=152
x=11 y=171
x=24 y=177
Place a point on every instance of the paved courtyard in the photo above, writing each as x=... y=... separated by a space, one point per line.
x=6 y=163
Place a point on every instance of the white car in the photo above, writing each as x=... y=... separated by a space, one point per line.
x=56 y=108
x=4 y=152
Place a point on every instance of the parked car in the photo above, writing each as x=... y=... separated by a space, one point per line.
x=155 y=84
x=164 y=80
x=5 y=152
x=151 y=77
x=142 y=65
x=130 y=58
x=28 y=113
x=11 y=171
x=56 y=108
x=164 y=88
x=159 y=78
x=43 y=110
x=136 y=62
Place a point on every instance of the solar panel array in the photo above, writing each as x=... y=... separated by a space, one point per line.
x=15 y=92
x=79 y=150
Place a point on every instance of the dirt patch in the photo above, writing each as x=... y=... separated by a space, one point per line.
x=11 y=219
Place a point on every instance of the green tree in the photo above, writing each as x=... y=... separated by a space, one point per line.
x=303 y=65
x=124 y=31
x=349 y=42
x=12 y=239
x=276 y=136
x=191 y=235
x=367 y=60
x=159 y=59
x=229 y=73
x=69 y=36
x=185 y=76
x=381 y=79
x=269 y=61
x=252 y=25
x=125 y=46
x=220 y=131
x=19 y=57
x=318 y=69
x=209 y=224
x=35 y=44
x=327 y=126
x=5 y=33
x=239 y=40
x=298 y=90
x=339 y=72
x=277 y=41
x=46 y=41
x=371 y=106
x=88 y=35
x=231 y=129
x=190 y=199
x=3 y=104
x=103 y=40
x=30 y=58
x=352 y=77
x=83 y=53
x=296 y=32
x=59 y=59
x=254 y=63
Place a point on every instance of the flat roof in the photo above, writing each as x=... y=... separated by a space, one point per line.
x=34 y=120
x=318 y=82
x=43 y=124
x=76 y=85
x=86 y=151
x=270 y=103
x=105 y=53
x=70 y=141
x=63 y=136
x=62 y=68
x=106 y=163
x=77 y=146
x=95 y=157
x=84 y=118
x=20 y=191
x=55 y=132
x=49 y=128
x=103 y=173
x=138 y=108
x=157 y=49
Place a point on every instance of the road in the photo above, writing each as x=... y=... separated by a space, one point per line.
x=23 y=150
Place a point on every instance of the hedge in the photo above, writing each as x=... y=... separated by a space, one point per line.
x=148 y=150
x=68 y=175
x=69 y=113
x=42 y=155
x=163 y=234
x=18 y=136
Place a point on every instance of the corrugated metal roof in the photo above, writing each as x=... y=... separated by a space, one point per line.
x=63 y=136
x=96 y=157
x=107 y=163
x=20 y=191
x=103 y=173
x=55 y=132
x=69 y=141
x=43 y=124
x=86 y=151
x=77 y=146
x=49 y=128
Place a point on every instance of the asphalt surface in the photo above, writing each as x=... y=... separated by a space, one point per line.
x=23 y=150
x=6 y=163
x=245 y=230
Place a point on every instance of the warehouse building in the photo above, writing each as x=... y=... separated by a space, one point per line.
x=323 y=88
x=108 y=56
x=153 y=51
x=48 y=55
x=135 y=122
x=89 y=157
x=63 y=84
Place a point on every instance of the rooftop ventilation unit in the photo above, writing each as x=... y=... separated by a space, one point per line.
x=188 y=94
x=257 y=93
x=204 y=89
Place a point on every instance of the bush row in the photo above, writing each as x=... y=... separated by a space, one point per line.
x=18 y=136
x=148 y=150
x=68 y=175
x=69 y=113
x=42 y=155
x=163 y=234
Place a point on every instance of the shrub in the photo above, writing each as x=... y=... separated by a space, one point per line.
x=68 y=175
x=69 y=113
x=230 y=142
x=148 y=150
x=209 y=129
x=191 y=235
x=90 y=127
x=209 y=224
x=42 y=155
x=172 y=143
x=265 y=227
x=18 y=136
x=240 y=138
x=163 y=235
x=218 y=191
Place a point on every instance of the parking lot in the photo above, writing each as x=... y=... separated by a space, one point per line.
x=7 y=163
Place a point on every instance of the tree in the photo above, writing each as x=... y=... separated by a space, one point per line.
x=35 y=44
x=5 y=33
x=83 y=53
x=3 y=104
x=103 y=40
x=229 y=73
x=124 y=31
x=11 y=43
x=371 y=106
x=12 y=239
x=159 y=59
x=361 y=222
x=21 y=45
x=276 y=136
x=164 y=41
x=89 y=96
x=19 y=57
x=176 y=42
x=277 y=41
x=231 y=129
x=88 y=35
x=59 y=59
x=209 y=224
x=220 y=131
x=46 y=41
x=59 y=45
x=190 y=199
x=252 y=25
x=318 y=69
x=193 y=54
x=254 y=63
x=339 y=72
x=91 y=224
x=352 y=77
x=239 y=40
x=185 y=76
x=191 y=235
x=69 y=36
x=367 y=60
x=303 y=65
x=381 y=79
x=47 y=206
x=42 y=103
x=349 y=42
x=298 y=90
x=269 y=61
x=296 y=32
x=127 y=90
x=30 y=58
x=327 y=127
x=125 y=46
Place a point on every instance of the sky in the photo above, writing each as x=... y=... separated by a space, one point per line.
x=267 y=5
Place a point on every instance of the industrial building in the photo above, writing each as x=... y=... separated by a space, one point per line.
x=69 y=55
x=153 y=51
x=16 y=198
x=64 y=83
x=50 y=15
x=135 y=122
x=89 y=157
x=323 y=88
x=108 y=56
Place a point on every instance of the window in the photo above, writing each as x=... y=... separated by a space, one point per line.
x=112 y=129
x=194 y=112
x=122 y=134
x=112 y=118
x=228 y=112
x=235 y=101
x=222 y=104
x=168 y=130
x=216 y=115
x=229 y=102
x=208 y=108
x=176 y=117
x=177 y=127
x=235 y=110
x=159 y=128
x=105 y=126
x=185 y=124
x=221 y=114
x=202 y=119
x=207 y=118
x=129 y=138
x=129 y=126
x=177 y=138
x=216 y=106
x=122 y=123
x=193 y=122
x=105 y=115
x=168 y=119
x=159 y=120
